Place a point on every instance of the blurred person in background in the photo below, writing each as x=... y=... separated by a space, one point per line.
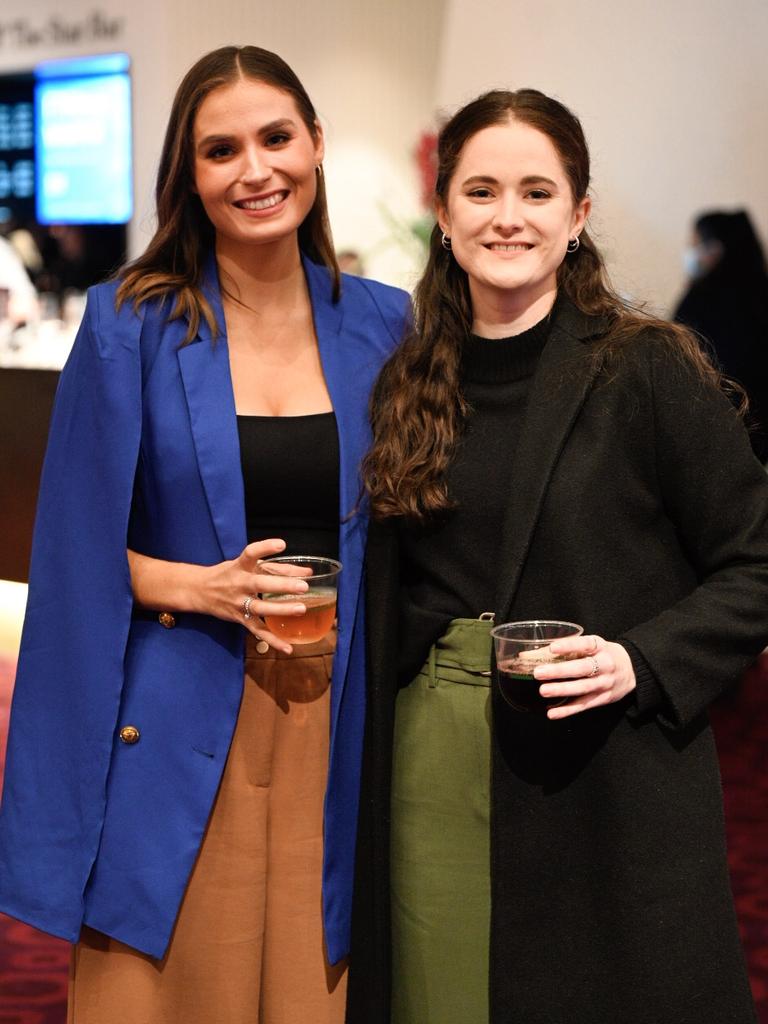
x=18 y=298
x=350 y=262
x=22 y=240
x=726 y=303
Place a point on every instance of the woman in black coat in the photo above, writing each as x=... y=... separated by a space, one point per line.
x=543 y=452
x=726 y=303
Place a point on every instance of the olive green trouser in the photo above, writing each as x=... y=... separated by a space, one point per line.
x=440 y=834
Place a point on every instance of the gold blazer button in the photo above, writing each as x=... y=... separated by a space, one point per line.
x=167 y=620
x=129 y=734
x=262 y=647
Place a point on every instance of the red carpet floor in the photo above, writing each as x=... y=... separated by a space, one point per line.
x=740 y=722
x=33 y=966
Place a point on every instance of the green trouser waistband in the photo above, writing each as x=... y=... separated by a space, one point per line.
x=462 y=654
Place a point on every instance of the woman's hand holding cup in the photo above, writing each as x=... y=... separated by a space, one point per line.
x=595 y=672
x=239 y=589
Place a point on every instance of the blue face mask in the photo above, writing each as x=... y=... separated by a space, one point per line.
x=692 y=261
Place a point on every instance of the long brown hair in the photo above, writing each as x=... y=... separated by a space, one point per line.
x=417 y=407
x=172 y=263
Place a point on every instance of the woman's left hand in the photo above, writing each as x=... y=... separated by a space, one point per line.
x=597 y=672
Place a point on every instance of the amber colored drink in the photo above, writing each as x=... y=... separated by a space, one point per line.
x=520 y=688
x=308 y=628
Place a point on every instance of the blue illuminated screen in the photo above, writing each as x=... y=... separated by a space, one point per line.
x=83 y=171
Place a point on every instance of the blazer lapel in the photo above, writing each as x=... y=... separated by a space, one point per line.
x=207 y=381
x=562 y=381
x=204 y=365
x=346 y=373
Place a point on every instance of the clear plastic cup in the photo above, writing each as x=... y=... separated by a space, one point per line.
x=520 y=647
x=320 y=599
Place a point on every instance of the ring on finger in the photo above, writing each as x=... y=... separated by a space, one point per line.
x=595 y=668
x=247 y=606
x=594 y=645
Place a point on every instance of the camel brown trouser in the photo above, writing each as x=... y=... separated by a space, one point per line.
x=248 y=943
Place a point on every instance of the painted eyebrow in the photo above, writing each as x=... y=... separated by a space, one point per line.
x=268 y=129
x=538 y=179
x=479 y=179
x=275 y=126
x=530 y=179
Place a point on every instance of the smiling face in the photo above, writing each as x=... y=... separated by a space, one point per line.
x=510 y=213
x=255 y=164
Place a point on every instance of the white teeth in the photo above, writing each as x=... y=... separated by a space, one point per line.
x=261 y=204
x=496 y=247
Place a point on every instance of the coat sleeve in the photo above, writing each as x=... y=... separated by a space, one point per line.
x=70 y=673
x=716 y=493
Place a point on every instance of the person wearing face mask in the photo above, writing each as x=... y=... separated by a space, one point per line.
x=182 y=783
x=726 y=303
x=541 y=451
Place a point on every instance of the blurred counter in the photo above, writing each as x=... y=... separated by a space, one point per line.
x=42 y=345
x=31 y=357
x=26 y=400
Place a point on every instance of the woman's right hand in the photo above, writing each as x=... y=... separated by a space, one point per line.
x=223 y=589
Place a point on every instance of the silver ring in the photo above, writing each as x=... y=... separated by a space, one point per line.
x=247 y=606
x=595 y=668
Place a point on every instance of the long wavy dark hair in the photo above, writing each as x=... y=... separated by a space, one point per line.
x=172 y=263
x=417 y=408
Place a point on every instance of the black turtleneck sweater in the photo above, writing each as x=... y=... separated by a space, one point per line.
x=449 y=569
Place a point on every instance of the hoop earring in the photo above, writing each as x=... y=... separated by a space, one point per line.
x=445 y=242
x=573 y=244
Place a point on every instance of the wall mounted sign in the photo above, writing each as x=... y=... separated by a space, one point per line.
x=23 y=33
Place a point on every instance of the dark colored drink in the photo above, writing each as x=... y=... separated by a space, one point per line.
x=308 y=628
x=520 y=688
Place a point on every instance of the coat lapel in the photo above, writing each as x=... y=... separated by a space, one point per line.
x=560 y=386
x=204 y=365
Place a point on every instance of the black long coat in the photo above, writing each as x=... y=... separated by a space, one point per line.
x=636 y=508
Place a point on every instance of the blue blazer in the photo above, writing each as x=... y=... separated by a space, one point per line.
x=144 y=452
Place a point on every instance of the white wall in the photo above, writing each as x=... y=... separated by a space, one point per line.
x=370 y=69
x=673 y=98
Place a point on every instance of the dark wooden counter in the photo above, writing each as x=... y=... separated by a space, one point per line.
x=26 y=400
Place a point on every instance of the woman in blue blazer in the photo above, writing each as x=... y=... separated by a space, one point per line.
x=199 y=402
